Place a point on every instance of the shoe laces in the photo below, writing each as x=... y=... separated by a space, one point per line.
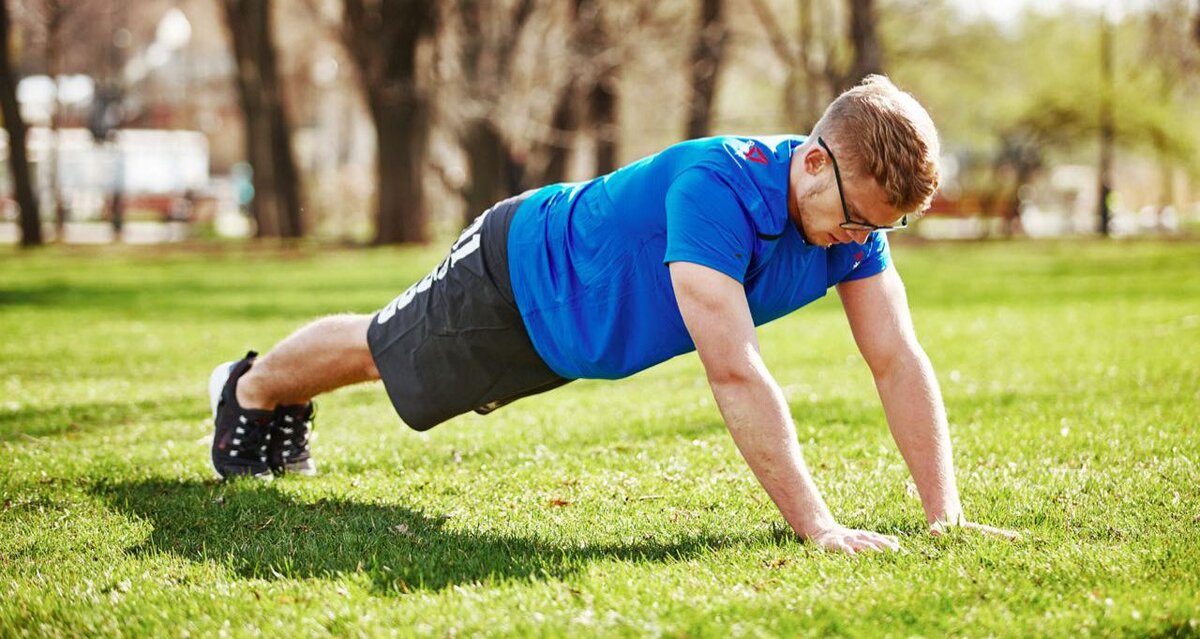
x=250 y=439
x=293 y=427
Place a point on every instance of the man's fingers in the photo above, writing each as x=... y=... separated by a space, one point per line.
x=875 y=541
x=853 y=542
x=886 y=542
x=860 y=545
x=882 y=541
x=890 y=542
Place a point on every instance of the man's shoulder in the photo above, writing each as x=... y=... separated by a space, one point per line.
x=736 y=151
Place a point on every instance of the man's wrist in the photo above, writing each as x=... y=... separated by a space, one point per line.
x=948 y=518
x=818 y=525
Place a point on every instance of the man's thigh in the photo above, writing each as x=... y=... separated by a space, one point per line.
x=455 y=341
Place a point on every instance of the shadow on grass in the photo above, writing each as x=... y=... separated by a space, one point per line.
x=262 y=533
x=70 y=418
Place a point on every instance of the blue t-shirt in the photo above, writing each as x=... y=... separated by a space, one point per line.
x=588 y=260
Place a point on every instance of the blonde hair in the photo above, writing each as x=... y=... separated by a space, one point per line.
x=886 y=134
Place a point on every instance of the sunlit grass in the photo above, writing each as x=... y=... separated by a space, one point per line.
x=1071 y=373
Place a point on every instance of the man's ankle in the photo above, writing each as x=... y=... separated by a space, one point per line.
x=248 y=395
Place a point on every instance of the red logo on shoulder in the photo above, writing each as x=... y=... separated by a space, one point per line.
x=755 y=154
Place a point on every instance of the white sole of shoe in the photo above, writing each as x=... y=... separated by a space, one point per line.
x=304 y=471
x=216 y=384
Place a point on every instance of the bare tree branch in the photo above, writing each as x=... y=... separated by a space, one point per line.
x=779 y=40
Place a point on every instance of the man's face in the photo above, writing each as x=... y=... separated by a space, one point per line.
x=816 y=208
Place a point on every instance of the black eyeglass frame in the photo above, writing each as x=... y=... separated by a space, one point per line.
x=851 y=225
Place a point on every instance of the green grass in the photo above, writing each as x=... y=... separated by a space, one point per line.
x=1070 y=370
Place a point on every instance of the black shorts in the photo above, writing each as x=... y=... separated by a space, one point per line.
x=454 y=341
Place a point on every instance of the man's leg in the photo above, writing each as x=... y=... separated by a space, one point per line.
x=324 y=355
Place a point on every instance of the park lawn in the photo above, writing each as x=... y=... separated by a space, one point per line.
x=1071 y=372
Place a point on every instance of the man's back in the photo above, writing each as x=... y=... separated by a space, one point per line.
x=588 y=260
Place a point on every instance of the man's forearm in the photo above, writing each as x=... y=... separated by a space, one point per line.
x=917 y=418
x=760 y=422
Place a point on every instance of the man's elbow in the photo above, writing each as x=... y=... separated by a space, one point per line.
x=905 y=357
x=734 y=374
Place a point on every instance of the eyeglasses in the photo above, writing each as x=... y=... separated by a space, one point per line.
x=852 y=225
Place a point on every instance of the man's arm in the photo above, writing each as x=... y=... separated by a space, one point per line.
x=717 y=316
x=877 y=309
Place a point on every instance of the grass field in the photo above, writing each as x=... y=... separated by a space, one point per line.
x=1071 y=372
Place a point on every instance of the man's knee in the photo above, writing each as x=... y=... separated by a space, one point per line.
x=370 y=370
x=354 y=330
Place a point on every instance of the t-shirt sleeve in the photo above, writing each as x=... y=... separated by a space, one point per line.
x=878 y=257
x=707 y=224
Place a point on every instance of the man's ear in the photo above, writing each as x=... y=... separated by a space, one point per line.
x=814 y=161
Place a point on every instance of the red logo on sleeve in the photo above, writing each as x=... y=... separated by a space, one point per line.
x=755 y=154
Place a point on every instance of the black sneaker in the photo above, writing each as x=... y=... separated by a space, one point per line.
x=288 y=449
x=240 y=435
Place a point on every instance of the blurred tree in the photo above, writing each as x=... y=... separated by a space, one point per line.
x=489 y=35
x=1020 y=157
x=383 y=37
x=31 y=223
x=708 y=50
x=1196 y=27
x=866 y=49
x=564 y=123
x=811 y=88
x=1016 y=98
x=520 y=121
x=109 y=112
x=54 y=14
x=1172 y=60
x=809 y=58
x=590 y=95
x=1107 y=127
x=603 y=59
x=276 y=205
x=68 y=35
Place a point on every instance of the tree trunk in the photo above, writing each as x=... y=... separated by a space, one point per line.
x=287 y=175
x=1107 y=128
x=55 y=16
x=402 y=134
x=864 y=42
x=276 y=203
x=31 y=222
x=486 y=56
x=810 y=107
x=797 y=90
x=602 y=110
x=563 y=125
x=1166 y=200
x=600 y=89
x=382 y=38
x=494 y=175
x=116 y=202
x=60 y=208
x=1196 y=28
x=705 y=64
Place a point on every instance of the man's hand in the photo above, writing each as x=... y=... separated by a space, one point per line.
x=939 y=528
x=852 y=541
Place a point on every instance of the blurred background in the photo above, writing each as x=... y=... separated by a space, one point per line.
x=394 y=121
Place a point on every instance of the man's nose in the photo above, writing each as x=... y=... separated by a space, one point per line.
x=860 y=237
